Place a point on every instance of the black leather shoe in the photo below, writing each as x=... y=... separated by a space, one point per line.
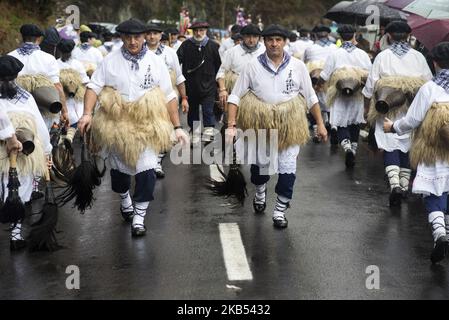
x=395 y=197
x=15 y=245
x=127 y=216
x=260 y=207
x=280 y=223
x=440 y=250
x=160 y=173
x=349 y=159
x=138 y=230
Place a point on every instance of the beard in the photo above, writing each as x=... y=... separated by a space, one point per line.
x=199 y=38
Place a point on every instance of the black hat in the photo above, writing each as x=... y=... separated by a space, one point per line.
x=303 y=30
x=321 y=28
x=164 y=37
x=131 y=26
x=66 y=45
x=9 y=66
x=275 y=30
x=346 y=29
x=171 y=31
x=154 y=27
x=31 y=30
x=398 y=27
x=237 y=36
x=440 y=52
x=199 y=25
x=250 y=29
x=236 y=28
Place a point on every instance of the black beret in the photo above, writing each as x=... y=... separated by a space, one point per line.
x=9 y=66
x=236 y=28
x=199 y=25
x=236 y=36
x=250 y=29
x=154 y=27
x=87 y=34
x=131 y=26
x=322 y=28
x=398 y=27
x=31 y=30
x=172 y=31
x=303 y=30
x=275 y=30
x=346 y=29
x=164 y=37
x=66 y=45
x=440 y=52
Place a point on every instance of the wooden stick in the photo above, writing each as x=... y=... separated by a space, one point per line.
x=13 y=159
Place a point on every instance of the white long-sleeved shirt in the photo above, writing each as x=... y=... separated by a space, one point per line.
x=75 y=65
x=346 y=110
x=115 y=71
x=38 y=62
x=412 y=64
x=236 y=59
x=172 y=62
x=318 y=53
x=293 y=80
x=225 y=46
x=91 y=55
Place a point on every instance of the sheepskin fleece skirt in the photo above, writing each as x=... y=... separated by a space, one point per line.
x=289 y=118
x=129 y=128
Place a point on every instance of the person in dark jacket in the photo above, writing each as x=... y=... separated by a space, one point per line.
x=200 y=62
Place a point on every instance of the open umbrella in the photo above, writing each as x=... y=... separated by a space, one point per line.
x=398 y=4
x=337 y=13
x=430 y=9
x=429 y=32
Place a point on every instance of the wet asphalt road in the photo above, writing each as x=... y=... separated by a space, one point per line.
x=339 y=224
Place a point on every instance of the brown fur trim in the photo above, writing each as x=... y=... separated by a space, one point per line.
x=128 y=128
x=408 y=85
x=32 y=81
x=35 y=163
x=427 y=146
x=71 y=82
x=288 y=117
x=230 y=80
x=357 y=74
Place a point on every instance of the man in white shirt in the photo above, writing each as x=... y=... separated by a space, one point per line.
x=275 y=78
x=346 y=112
x=153 y=38
x=229 y=42
x=133 y=72
x=427 y=118
x=173 y=38
x=90 y=56
x=302 y=43
x=36 y=61
x=403 y=61
x=237 y=58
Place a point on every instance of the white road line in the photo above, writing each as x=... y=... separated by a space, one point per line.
x=234 y=254
x=214 y=173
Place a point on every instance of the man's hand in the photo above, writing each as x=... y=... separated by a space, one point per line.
x=65 y=118
x=230 y=134
x=182 y=137
x=84 y=123
x=223 y=96
x=185 y=105
x=388 y=124
x=12 y=144
x=322 y=132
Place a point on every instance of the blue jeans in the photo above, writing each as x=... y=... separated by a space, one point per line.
x=208 y=112
x=284 y=186
x=145 y=182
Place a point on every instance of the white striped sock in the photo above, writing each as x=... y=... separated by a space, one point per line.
x=16 y=231
x=260 y=193
x=404 y=178
x=393 y=176
x=436 y=221
x=140 y=210
x=126 y=202
x=282 y=204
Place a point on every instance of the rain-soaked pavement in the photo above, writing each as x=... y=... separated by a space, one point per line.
x=341 y=234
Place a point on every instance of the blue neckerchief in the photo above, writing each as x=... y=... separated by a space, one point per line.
x=28 y=48
x=200 y=44
x=160 y=49
x=134 y=58
x=348 y=46
x=248 y=49
x=85 y=46
x=324 y=42
x=400 y=48
x=263 y=59
x=442 y=79
x=21 y=95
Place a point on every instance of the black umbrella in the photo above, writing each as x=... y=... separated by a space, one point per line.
x=361 y=12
